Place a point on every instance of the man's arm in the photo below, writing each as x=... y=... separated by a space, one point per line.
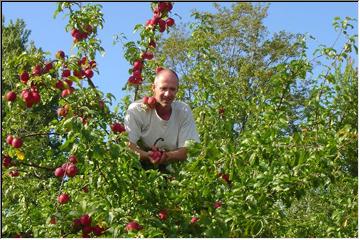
x=141 y=153
x=179 y=154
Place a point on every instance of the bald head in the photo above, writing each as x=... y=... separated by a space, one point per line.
x=166 y=74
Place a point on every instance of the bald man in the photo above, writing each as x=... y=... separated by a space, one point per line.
x=170 y=121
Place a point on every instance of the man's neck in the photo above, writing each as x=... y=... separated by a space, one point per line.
x=163 y=112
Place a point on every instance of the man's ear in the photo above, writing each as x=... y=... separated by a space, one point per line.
x=153 y=87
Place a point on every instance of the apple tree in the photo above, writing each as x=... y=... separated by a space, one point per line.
x=272 y=142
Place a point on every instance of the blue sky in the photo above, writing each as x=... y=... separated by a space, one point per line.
x=314 y=18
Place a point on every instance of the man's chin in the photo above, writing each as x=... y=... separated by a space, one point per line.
x=165 y=103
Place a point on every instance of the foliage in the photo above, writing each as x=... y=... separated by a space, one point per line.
x=278 y=156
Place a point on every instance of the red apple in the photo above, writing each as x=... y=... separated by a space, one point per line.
x=88 y=28
x=10 y=96
x=35 y=97
x=97 y=230
x=147 y=55
x=63 y=198
x=53 y=220
x=133 y=226
x=101 y=104
x=92 y=64
x=64 y=166
x=59 y=84
x=59 y=172
x=37 y=70
x=159 y=69
x=60 y=55
x=85 y=189
x=137 y=74
x=169 y=6
x=162 y=25
x=152 y=44
x=79 y=73
x=86 y=229
x=71 y=170
x=156 y=155
x=221 y=111
x=9 y=139
x=14 y=173
x=66 y=73
x=89 y=73
x=74 y=32
x=73 y=159
x=16 y=142
x=154 y=20
x=117 y=127
x=163 y=215
x=69 y=82
x=85 y=220
x=138 y=65
x=225 y=177
x=194 y=219
x=6 y=161
x=48 y=67
x=217 y=204
x=162 y=6
x=76 y=224
x=24 y=77
x=61 y=112
x=65 y=92
x=170 y=22
x=151 y=102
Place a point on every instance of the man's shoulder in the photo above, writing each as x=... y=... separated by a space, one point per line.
x=181 y=106
x=136 y=106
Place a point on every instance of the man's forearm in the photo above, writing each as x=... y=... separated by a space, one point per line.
x=143 y=155
x=171 y=156
x=177 y=155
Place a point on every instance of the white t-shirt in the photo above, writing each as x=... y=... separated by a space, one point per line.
x=148 y=126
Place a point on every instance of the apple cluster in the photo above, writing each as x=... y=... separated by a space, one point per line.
x=160 y=12
x=84 y=69
x=156 y=155
x=159 y=21
x=117 y=127
x=81 y=34
x=6 y=161
x=84 y=223
x=67 y=169
x=149 y=102
x=30 y=96
x=15 y=142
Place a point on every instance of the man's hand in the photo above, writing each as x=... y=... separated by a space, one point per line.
x=155 y=156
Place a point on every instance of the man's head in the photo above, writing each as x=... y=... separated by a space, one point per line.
x=165 y=87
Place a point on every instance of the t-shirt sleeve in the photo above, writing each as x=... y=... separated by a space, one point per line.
x=133 y=124
x=188 y=128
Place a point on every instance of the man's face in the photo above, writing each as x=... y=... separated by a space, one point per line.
x=165 y=88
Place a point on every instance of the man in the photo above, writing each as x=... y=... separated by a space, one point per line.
x=169 y=121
